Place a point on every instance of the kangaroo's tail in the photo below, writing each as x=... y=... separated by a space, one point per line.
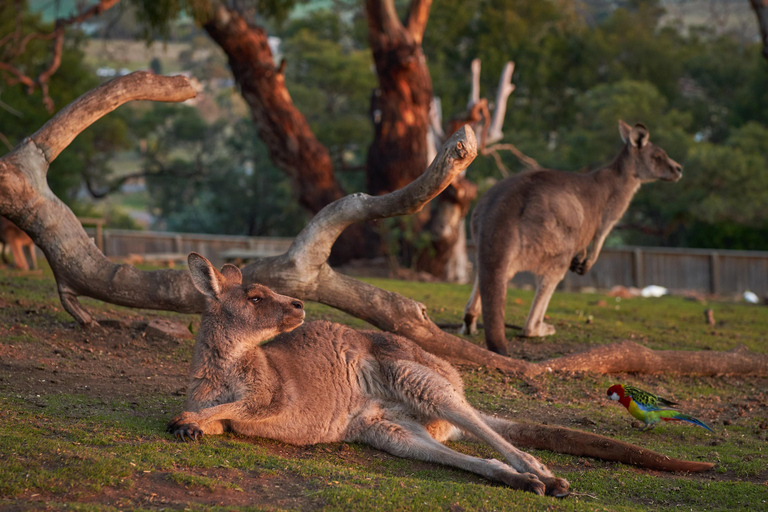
x=576 y=442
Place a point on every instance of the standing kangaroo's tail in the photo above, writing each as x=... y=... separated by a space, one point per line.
x=576 y=442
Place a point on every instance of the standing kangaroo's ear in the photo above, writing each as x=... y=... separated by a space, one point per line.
x=206 y=279
x=232 y=273
x=624 y=130
x=637 y=136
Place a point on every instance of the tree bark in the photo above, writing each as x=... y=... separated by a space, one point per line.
x=400 y=106
x=761 y=10
x=81 y=269
x=285 y=131
x=78 y=265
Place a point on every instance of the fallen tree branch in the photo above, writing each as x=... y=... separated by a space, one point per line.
x=78 y=265
x=82 y=270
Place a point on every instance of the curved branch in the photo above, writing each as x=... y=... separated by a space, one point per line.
x=79 y=267
x=67 y=124
x=313 y=244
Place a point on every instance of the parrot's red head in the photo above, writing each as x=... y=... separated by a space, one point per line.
x=616 y=392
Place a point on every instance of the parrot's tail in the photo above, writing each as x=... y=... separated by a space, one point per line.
x=689 y=419
x=576 y=442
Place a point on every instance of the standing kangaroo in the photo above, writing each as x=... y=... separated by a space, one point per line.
x=326 y=382
x=542 y=221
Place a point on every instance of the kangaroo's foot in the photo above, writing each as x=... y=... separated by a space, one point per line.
x=469 y=326
x=182 y=428
x=521 y=481
x=543 y=329
x=557 y=487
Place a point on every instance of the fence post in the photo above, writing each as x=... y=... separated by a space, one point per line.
x=714 y=273
x=637 y=263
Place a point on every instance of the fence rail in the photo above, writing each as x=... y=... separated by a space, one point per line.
x=702 y=270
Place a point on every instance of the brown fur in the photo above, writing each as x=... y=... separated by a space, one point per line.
x=325 y=382
x=12 y=235
x=543 y=221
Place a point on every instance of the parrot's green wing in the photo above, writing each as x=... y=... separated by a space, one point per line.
x=646 y=399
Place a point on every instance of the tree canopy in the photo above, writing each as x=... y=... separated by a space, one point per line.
x=701 y=93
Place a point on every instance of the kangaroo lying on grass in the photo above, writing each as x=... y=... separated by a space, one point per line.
x=326 y=382
x=543 y=221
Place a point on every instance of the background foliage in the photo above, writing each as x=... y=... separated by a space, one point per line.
x=579 y=68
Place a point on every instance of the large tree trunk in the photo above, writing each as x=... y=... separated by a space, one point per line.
x=81 y=269
x=400 y=106
x=761 y=10
x=292 y=145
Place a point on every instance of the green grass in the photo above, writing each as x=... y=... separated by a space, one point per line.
x=666 y=323
x=64 y=450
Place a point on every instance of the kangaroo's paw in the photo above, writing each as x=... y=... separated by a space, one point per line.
x=469 y=326
x=577 y=265
x=181 y=429
x=467 y=329
x=543 y=329
x=557 y=487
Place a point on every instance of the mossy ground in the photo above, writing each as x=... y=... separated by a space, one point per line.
x=82 y=416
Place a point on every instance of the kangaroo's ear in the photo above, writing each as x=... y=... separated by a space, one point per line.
x=232 y=273
x=639 y=136
x=205 y=277
x=624 y=130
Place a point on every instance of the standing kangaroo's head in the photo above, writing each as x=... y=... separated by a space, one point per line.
x=252 y=312
x=650 y=162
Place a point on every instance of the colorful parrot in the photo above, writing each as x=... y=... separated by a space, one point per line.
x=648 y=407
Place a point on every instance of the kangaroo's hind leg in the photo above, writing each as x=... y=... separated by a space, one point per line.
x=545 y=288
x=431 y=395
x=408 y=439
x=472 y=310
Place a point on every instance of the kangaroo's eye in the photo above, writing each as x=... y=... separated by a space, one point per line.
x=256 y=299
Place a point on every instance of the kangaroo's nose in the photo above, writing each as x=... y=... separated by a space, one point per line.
x=297 y=304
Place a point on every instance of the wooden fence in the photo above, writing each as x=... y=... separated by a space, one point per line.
x=120 y=243
x=701 y=270
x=721 y=272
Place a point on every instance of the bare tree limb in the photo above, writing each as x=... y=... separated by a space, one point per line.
x=506 y=87
x=522 y=157
x=79 y=267
x=67 y=124
x=474 y=95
